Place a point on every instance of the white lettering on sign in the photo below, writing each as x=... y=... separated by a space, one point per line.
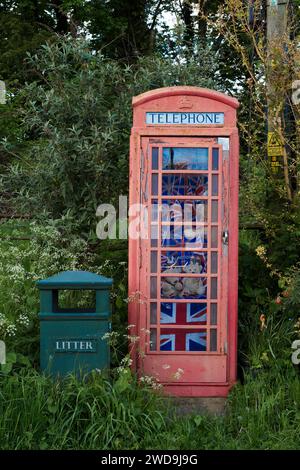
x=64 y=345
x=204 y=119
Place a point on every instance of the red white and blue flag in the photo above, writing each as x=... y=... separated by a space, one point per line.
x=183 y=340
x=179 y=210
x=179 y=236
x=183 y=313
x=184 y=185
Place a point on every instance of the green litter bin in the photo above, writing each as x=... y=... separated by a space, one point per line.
x=71 y=339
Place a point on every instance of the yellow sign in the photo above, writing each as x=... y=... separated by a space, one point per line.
x=275 y=145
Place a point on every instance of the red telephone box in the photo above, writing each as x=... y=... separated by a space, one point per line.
x=183 y=266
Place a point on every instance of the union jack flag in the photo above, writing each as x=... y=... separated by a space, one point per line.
x=184 y=185
x=173 y=185
x=172 y=210
x=195 y=238
x=172 y=236
x=178 y=236
x=184 y=210
x=197 y=186
x=183 y=314
x=183 y=340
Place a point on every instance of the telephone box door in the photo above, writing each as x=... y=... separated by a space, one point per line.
x=184 y=260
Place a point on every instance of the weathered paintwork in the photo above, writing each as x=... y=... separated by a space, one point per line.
x=71 y=338
x=186 y=373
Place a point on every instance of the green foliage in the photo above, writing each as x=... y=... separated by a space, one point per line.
x=120 y=29
x=266 y=316
x=66 y=152
x=49 y=249
x=78 y=118
x=265 y=411
x=14 y=361
x=95 y=414
x=117 y=413
x=18 y=35
x=291 y=295
x=255 y=285
x=30 y=251
x=264 y=207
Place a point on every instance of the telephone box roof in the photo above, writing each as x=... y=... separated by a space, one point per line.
x=184 y=90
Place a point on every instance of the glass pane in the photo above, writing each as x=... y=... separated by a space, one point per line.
x=214 y=263
x=153 y=313
x=215 y=162
x=215 y=185
x=184 y=185
x=184 y=262
x=154 y=210
x=153 y=287
x=187 y=211
x=183 y=340
x=183 y=287
x=224 y=141
x=155 y=158
x=214 y=288
x=172 y=210
x=153 y=339
x=214 y=211
x=213 y=340
x=195 y=237
x=184 y=237
x=213 y=314
x=185 y=158
x=214 y=237
x=154 y=262
x=154 y=235
x=154 y=184
x=183 y=313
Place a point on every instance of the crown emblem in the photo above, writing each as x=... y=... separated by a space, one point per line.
x=185 y=103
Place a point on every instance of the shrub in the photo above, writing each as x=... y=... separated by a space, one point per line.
x=77 y=120
x=45 y=250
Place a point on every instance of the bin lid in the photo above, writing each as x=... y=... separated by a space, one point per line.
x=75 y=280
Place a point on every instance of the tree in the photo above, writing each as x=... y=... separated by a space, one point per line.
x=78 y=119
x=24 y=26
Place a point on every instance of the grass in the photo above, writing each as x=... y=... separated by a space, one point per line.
x=36 y=413
x=117 y=413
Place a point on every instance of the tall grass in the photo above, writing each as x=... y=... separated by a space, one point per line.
x=37 y=413
x=118 y=413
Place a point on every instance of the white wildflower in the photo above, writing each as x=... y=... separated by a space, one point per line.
x=11 y=330
x=150 y=381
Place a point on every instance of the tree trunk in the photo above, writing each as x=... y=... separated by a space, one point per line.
x=188 y=36
x=62 y=25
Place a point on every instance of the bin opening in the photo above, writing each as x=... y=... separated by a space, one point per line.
x=78 y=301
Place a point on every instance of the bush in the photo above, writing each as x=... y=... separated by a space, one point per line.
x=77 y=120
x=44 y=251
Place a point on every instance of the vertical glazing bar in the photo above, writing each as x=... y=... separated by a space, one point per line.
x=152 y=346
x=220 y=273
x=209 y=244
x=159 y=243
